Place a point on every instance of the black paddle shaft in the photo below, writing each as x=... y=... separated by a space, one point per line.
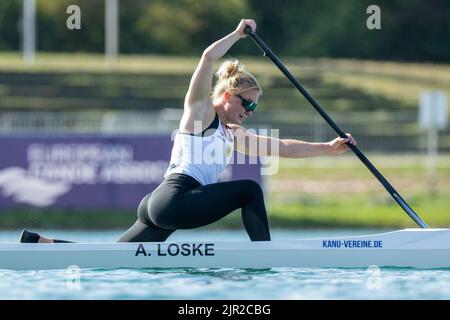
x=267 y=52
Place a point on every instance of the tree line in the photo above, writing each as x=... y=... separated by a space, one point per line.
x=411 y=30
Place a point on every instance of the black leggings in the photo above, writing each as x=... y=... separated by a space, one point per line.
x=181 y=202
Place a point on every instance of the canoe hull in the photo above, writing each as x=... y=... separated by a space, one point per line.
x=414 y=248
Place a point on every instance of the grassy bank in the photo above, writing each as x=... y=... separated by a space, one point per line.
x=396 y=81
x=340 y=191
x=360 y=212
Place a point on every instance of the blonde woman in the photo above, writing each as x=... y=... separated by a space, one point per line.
x=190 y=195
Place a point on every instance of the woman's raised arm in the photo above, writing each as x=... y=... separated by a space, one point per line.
x=199 y=91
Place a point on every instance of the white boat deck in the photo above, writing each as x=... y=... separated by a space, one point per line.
x=415 y=248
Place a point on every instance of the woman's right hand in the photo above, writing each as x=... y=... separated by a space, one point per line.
x=245 y=22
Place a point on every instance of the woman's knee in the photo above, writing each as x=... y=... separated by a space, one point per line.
x=252 y=187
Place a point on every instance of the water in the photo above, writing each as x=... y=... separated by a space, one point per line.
x=276 y=283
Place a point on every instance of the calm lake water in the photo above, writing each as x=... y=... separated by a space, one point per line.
x=277 y=283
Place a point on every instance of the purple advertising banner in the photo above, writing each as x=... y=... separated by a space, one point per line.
x=89 y=171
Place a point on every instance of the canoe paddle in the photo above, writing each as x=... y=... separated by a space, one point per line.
x=267 y=52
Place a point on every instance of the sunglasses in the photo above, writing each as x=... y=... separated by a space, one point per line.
x=248 y=104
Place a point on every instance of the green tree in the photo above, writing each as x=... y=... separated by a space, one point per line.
x=10 y=27
x=53 y=34
x=188 y=26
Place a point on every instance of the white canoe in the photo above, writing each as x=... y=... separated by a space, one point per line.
x=415 y=248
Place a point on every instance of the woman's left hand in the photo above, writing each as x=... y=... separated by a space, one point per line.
x=244 y=23
x=339 y=145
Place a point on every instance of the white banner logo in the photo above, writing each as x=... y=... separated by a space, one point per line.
x=16 y=183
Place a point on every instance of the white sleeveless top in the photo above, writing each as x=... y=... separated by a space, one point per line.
x=202 y=157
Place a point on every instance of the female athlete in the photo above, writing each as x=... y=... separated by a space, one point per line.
x=190 y=196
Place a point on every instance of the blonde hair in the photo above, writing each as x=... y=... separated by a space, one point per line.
x=232 y=78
